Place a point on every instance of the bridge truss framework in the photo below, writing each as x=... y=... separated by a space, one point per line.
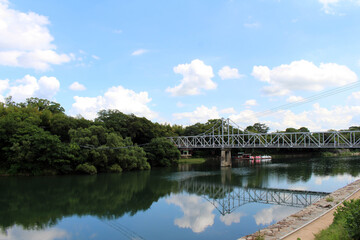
x=225 y=135
x=226 y=198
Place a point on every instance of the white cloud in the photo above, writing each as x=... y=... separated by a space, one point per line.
x=139 y=52
x=250 y=103
x=337 y=117
x=252 y=25
x=244 y=118
x=274 y=213
x=29 y=86
x=76 y=86
x=302 y=75
x=229 y=73
x=327 y=5
x=18 y=233
x=201 y=114
x=95 y=57
x=231 y=218
x=196 y=75
x=118 y=31
x=197 y=213
x=25 y=40
x=4 y=84
x=125 y=100
x=354 y=98
x=293 y=99
x=228 y=111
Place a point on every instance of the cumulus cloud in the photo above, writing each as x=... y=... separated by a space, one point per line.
x=250 y=103
x=229 y=73
x=228 y=111
x=76 y=86
x=200 y=114
x=4 y=84
x=293 y=99
x=197 y=213
x=29 y=86
x=125 y=100
x=336 y=117
x=302 y=75
x=25 y=40
x=17 y=233
x=196 y=76
x=139 y=52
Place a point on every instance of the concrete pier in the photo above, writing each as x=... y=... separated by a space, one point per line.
x=225 y=158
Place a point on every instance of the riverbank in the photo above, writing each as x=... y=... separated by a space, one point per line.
x=310 y=220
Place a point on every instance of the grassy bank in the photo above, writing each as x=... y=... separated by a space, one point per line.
x=192 y=160
x=346 y=224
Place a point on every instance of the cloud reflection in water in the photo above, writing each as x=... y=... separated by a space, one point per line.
x=274 y=213
x=231 y=218
x=18 y=233
x=197 y=212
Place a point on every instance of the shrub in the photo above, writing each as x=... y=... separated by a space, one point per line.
x=115 y=168
x=349 y=213
x=86 y=168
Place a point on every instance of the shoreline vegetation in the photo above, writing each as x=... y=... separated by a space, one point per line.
x=192 y=160
x=38 y=138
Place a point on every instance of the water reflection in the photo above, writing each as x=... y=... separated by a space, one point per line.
x=198 y=214
x=273 y=213
x=42 y=203
x=231 y=218
x=18 y=233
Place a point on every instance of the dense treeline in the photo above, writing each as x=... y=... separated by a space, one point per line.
x=37 y=137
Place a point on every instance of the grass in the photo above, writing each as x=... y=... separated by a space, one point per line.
x=334 y=232
x=192 y=160
x=329 y=199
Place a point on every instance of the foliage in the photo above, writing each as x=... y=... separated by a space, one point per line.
x=192 y=160
x=86 y=168
x=115 y=168
x=258 y=128
x=346 y=224
x=161 y=152
x=350 y=213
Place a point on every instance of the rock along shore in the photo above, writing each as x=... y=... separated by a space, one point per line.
x=310 y=214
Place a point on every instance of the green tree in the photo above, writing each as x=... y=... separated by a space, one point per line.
x=258 y=128
x=161 y=152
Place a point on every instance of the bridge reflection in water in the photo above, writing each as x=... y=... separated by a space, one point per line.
x=227 y=198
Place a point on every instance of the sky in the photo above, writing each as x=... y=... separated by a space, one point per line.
x=279 y=62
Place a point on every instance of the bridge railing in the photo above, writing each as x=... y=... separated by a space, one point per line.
x=331 y=139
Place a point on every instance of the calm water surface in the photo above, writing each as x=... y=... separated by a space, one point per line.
x=188 y=202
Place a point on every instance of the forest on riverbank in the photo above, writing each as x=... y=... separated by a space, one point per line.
x=38 y=138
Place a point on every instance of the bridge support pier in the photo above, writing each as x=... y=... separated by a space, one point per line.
x=225 y=158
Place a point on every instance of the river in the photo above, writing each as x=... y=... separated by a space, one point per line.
x=186 y=202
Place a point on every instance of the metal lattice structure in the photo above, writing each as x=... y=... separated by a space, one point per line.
x=226 y=134
x=226 y=198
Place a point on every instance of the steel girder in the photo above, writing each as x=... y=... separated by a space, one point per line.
x=331 y=139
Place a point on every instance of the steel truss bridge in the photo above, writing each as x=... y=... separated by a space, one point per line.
x=227 y=198
x=225 y=134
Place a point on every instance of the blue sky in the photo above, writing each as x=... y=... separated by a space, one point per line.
x=183 y=62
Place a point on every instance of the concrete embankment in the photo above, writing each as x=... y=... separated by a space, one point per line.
x=310 y=220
